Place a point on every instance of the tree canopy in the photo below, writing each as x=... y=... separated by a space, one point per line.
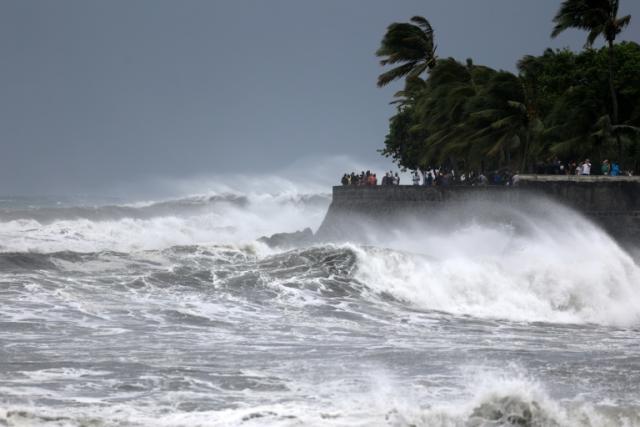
x=409 y=44
x=560 y=104
x=475 y=117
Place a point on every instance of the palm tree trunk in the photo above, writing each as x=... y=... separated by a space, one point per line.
x=612 y=89
x=525 y=152
x=614 y=100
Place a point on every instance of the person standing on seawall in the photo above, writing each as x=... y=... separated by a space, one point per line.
x=586 y=168
x=416 y=178
x=606 y=167
x=615 y=169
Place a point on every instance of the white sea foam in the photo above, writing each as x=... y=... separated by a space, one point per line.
x=556 y=268
x=547 y=265
x=489 y=399
x=264 y=204
x=261 y=214
x=169 y=325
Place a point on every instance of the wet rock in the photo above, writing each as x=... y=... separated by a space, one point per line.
x=288 y=240
x=510 y=411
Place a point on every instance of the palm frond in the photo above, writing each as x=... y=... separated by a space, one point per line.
x=395 y=73
x=407 y=43
x=422 y=23
x=592 y=37
x=489 y=114
x=506 y=122
x=520 y=106
x=627 y=129
x=567 y=146
x=623 y=22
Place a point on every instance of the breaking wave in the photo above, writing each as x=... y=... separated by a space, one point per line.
x=491 y=400
x=603 y=291
x=217 y=218
x=172 y=313
x=541 y=262
x=548 y=281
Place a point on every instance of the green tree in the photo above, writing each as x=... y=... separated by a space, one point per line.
x=409 y=44
x=442 y=111
x=575 y=110
x=473 y=117
x=403 y=143
x=501 y=121
x=599 y=18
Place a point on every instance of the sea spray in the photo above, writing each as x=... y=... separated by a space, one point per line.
x=235 y=218
x=492 y=400
x=169 y=313
x=556 y=267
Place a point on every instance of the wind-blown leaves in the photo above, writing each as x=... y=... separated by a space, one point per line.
x=598 y=18
x=409 y=44
x=471 y=116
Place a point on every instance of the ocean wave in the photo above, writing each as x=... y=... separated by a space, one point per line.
x=536 y=263
x=193 y=205
x=227 y=218
x=494 y=401
x=517 y=286
x=578 y=276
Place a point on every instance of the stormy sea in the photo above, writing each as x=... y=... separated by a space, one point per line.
x=172 y=312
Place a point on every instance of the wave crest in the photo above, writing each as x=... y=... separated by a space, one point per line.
x=525 y=278
x=217 y=218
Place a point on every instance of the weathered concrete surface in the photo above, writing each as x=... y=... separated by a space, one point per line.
x=612 y=202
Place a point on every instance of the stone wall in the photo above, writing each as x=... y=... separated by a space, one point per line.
x=612 y=202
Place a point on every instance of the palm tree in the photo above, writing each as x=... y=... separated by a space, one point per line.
x=500 y=122
x=599 y=18
x=414 y=89
x=404 y=141
x=442 y=111
x=409 y=44
x=607 y=133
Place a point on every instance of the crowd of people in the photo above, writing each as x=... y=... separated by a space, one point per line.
x=557 y=167
x=430 y=177
x=443 y=176
x=369 y=179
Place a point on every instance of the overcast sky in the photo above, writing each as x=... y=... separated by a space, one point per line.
x=101 y=93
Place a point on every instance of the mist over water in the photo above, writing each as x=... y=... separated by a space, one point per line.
x=538 y=261
x=215 y=218
x=169 y=312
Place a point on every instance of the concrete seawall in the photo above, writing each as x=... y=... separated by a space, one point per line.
x=612 y=202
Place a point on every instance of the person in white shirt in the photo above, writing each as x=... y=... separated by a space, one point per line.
x=586 y=167
x=416 y=178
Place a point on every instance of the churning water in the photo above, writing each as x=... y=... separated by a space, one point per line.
x=172 y=314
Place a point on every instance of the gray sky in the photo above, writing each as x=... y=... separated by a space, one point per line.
x=101 y=93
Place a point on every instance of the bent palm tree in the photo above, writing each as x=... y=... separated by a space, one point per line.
x=409 y=44
x=442 y=111
x=500 y=123
x=599 y=18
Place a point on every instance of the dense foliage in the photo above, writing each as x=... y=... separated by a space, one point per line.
x=558 y=105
